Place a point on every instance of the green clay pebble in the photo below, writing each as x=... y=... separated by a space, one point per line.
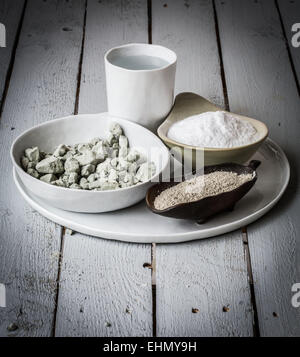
x=48 y=178
x=31 y=165
x=133 y=155
x=109 y=186
x=104 y=166
x=76 y=186
x=51 y=165
x=123 y=141
x=82 y=148
x=132 y=167
x=95 y=184
x=59 y=183
x=84 y=183
x=145 y=171
x=87 y=170
x=100 y=150
x=24 y=162
x=60 y=150
x=95 y=141
x=111 y=139
x=115 y=129
x=123 y=164
x=100 y=164
x=92 y=177
x=33 y=154
x=88 y=157
x=70 y=178
x=113 y=176
x=33 y=173
x=72 y=165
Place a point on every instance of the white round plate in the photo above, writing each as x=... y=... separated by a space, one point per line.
x=140 y=225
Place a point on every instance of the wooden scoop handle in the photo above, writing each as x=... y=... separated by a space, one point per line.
x=254 y=164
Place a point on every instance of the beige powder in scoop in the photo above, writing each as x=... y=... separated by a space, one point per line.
x=200 y=187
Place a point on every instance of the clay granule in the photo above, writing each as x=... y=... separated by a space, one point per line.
x=200 y=187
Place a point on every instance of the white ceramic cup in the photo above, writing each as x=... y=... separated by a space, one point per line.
x=140 y=82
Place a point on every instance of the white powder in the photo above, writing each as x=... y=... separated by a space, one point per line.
x=213 y=130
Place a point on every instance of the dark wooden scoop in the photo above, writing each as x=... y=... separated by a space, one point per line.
x=207 y=207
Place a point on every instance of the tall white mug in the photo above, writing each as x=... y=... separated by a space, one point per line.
x=140 y=82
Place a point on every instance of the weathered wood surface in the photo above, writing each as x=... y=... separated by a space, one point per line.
x=261 y=84
x=104 y=288
x=188 y=28
x=210 y=274
x=10 y=17
x=109 y=24
x=42 y=86
x=290 y=15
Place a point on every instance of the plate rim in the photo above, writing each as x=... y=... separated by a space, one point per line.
x=160 y=238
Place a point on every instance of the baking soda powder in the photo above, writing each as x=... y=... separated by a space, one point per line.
x=213 y=130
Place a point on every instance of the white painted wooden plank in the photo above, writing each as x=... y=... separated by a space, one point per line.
x=261 y=84
x=188 y=28
x=290 y=13
x=109 y=24
x=10 y=16
x=210 y=274
x=104 y=288
x=42 y=86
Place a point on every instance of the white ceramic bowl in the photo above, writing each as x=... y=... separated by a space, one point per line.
x=79 y=129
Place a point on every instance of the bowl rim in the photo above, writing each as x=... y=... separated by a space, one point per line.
x=167 y=140
x=19 y=168
x=140 y=44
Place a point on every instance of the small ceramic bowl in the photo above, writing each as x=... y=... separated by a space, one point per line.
x=80 y=129
x=188 y=104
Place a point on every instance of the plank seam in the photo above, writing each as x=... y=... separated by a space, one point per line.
x=288 y=47
x=153 y=285
x=222 y=71
x=12 y=59
x=153 y=246
x=58 y=280
x=256 y=330
x=80 y=61
x=149 y=10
